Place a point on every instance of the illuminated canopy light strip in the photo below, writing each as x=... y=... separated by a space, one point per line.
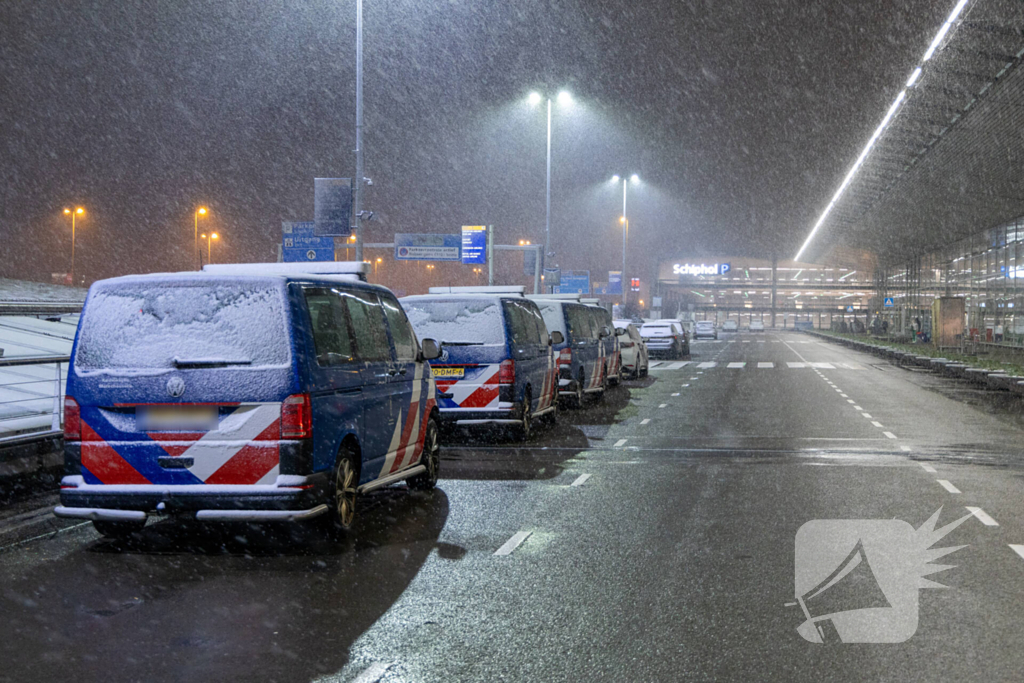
x=885 y=122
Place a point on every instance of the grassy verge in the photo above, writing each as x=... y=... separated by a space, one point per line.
x=928 y=350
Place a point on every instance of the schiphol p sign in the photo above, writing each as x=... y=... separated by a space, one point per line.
x=700 y=269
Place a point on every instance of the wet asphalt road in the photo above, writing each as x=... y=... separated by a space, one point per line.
x=659 y=545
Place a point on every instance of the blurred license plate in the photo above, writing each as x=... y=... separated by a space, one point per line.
x=457 y=373
x=176 y=418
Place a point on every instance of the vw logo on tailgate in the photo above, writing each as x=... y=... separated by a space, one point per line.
x=176 y=387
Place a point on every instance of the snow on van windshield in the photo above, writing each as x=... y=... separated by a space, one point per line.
x=459 y=320
x=142 y=326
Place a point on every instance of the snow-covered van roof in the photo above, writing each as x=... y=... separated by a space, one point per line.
x=346 y=270
x=554 y=297
x=493 y=289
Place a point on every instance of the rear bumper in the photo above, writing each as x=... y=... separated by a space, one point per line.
x=475 y=417
x=292 y=498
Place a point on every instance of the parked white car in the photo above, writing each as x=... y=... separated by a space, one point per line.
x=730 y=326
x=756 y=326
x=706 y=329
x=632 y=349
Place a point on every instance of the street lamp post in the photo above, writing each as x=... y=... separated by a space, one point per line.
x=624 y=220
x=201 y=211
x=74 y=214
x=564 y=99
x=209 y=246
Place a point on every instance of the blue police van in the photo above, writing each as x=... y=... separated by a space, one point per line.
x=588 y=352
x=247 y=392
x=497 y=365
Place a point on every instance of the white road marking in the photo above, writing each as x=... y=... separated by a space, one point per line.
x=645 y=420
x=823 y=366
x=843 y=395
x=766 y=365
x=1019 y=549
x=736 y=366
x=707 y=364
x=580 y=480
x=796 y=365
x=619 y=443
x=686 y=385
x=927 y=468
x=513 y=543
x=877 y=423
x=746 y=341
x=850 y=400
x=676 y=394
x=890 y=435
x=905 y=447
x=663 y=405
x=857 y=407
x=372 y=673
x=982 y=516
x=692 y=378
x=944 y=483
x=867 y=416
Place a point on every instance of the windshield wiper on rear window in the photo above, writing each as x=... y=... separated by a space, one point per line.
x=208 y=362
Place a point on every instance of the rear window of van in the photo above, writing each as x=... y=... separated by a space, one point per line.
x=466 y=321
x=167 y=325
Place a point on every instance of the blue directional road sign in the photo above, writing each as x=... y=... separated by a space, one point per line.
x=888 y=302
x=614 y=282
x=428 y=247
x=849 y=309
x=474 y=244
x=299 y=243
x=574 y=282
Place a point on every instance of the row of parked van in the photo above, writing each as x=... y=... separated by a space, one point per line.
x=264 y=393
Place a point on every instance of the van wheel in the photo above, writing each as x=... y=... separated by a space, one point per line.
x=118 y=530
x=344 y=493
x=525 y=427
x=431 y=459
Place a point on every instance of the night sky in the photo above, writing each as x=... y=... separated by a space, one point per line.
x=740 y=117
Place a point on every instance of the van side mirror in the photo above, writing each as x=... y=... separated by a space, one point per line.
x=431 y=349
x=619 y=331
x=605 y=332
x=555 y=337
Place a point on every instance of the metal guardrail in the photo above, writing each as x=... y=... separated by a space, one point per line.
x=31 y=405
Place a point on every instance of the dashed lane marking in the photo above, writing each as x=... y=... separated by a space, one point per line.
x=843 y=395
x=707 y=364
x=850 y=400
x=580 y=480
x=982 y=516
x=737 y=366
x=796 y=365
x=867 y=417
x=645 y=420
x=1019 y=549
x=619 y=443
x=889 y=435
x=763 y=365
x=676 y=394
x=372 y=673
x=663 y=405
x=877 y=423
x=857 y=407
x=926 y=467
x=944 y=483
x=904 y=447
x=513 y=543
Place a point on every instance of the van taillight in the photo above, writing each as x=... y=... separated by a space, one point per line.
x=507 y=372
x=72 y=420
x=296 y=417
x=565 y=356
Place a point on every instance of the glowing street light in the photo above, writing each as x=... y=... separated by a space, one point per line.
x=209 y=245
x=624 y=221
x=564 y=100
x=201 y=211
x=74 y=214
